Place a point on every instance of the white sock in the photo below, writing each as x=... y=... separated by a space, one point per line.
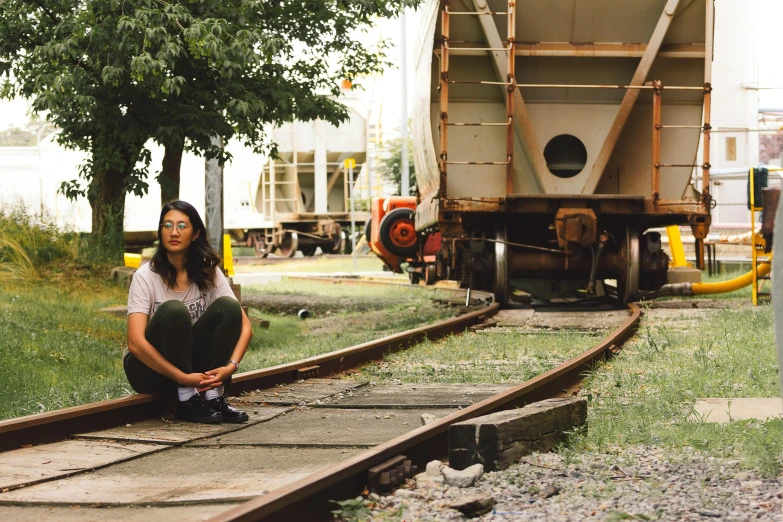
x=214 y=393
x=186 y=392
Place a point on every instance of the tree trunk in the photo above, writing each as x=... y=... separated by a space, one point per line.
x=113 y=163
x=107 y=198
x=169 y=176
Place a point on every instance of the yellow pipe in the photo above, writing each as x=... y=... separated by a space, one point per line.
x=675 y=244
x=732 y=284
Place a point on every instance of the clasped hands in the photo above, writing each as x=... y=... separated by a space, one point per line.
x=209 y=379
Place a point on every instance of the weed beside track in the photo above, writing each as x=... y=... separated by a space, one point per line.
x=646 y=395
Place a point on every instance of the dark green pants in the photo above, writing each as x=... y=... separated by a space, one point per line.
x=206 y=345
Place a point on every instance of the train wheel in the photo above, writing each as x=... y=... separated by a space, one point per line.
x=398 y=232
x=308 y=250
x=501 y=266
x=368 y=231
x=337 y=240
x=430 y=274
x=628 y=282
x=259 y=244
x=289 y=245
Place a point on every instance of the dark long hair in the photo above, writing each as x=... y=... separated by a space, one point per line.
x=202 y=259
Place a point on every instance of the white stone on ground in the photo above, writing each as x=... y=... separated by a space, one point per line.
x=462 y=478
x=434 y=468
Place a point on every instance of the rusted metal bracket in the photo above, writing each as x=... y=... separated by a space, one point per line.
x=387 y=475
x=308 y=372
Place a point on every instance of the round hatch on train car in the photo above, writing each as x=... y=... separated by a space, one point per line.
x=565 y=156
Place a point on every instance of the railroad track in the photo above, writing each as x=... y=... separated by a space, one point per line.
x=142 y=462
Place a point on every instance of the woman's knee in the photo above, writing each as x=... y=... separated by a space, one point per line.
x=173 y=311
x=229 y=306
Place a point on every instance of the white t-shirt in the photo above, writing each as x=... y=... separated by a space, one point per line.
x=148 y=291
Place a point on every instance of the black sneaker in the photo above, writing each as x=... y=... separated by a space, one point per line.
x=196 y=409
x=229 y=413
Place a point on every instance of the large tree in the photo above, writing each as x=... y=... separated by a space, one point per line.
x=114 y=73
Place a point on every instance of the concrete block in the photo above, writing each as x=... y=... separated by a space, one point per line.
x=237 y=289
x=683 y=274
x=122 y=275
x=500 y=439
x=720 y=410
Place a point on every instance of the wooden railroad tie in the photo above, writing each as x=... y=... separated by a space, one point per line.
x=390 y=474
x=500 y=439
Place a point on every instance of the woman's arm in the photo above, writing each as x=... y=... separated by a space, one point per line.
x=146 y=353
x=222 y=373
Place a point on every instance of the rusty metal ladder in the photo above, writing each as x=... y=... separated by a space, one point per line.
x=509 y=84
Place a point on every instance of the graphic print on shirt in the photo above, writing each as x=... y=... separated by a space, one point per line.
x=196 y=306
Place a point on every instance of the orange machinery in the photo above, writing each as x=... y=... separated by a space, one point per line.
x=391 y=235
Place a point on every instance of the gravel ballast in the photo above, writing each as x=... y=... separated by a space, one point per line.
x=640 y=483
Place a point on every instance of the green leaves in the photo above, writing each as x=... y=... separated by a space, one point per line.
x=113 y=74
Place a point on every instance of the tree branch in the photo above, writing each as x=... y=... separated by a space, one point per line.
x=49 y=13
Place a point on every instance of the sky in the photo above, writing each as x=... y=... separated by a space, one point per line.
x=387 y=89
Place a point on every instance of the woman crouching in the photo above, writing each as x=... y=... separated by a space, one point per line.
x=186 y=330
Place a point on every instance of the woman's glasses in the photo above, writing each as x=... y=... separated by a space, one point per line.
x=168 y=226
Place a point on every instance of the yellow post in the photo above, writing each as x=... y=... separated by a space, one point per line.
x=675 y=245
x=132 y=260
x=228 y=257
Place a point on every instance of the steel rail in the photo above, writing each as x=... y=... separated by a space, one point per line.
x=60 y=424
x=307 y=498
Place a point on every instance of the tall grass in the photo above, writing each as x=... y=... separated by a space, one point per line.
x=32 y=246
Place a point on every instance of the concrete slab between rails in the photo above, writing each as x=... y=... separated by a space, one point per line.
x=597 y=320
x=414 y=396
x=36 y=513
x=185 y=475
x=301 y=392
x=60 y=459
x=727 y=410
x=164 y=431
x=328 y=427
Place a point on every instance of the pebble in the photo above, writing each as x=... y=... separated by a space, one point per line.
x=427 y=418
x=615 y=485
x=434 y=468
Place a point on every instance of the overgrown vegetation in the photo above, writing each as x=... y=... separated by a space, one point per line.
x=646 y=395
x=32 y=248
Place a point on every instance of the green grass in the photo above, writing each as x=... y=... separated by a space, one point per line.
x=358 y=314
x=316 y=264
x=479 y=358
x=58 y=350
x=646 y=395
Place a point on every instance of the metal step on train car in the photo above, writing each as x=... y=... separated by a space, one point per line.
x=550 y=136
